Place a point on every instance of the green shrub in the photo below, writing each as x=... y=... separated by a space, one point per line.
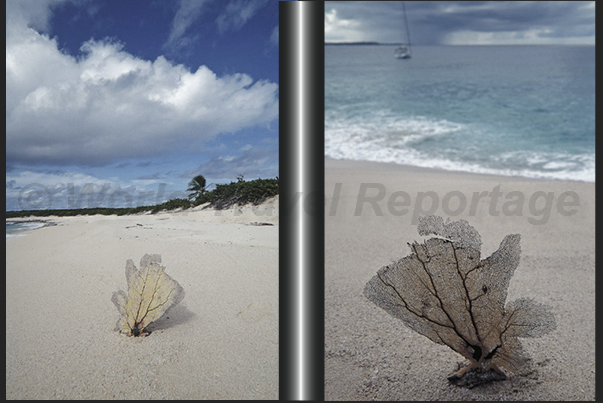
x=241 y=193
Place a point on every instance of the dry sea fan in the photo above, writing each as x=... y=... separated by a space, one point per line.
x=443 y=291
x=151 y=293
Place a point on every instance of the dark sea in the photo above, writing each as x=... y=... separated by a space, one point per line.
x=508 y=110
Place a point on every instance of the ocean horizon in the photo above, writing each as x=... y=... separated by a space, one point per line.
x=524 y=110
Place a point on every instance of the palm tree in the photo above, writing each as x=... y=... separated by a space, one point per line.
x=197 y=186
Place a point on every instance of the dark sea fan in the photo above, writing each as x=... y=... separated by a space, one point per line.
x=443 y=291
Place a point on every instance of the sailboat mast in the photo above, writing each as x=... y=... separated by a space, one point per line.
x=404 y=51
x=406 y=25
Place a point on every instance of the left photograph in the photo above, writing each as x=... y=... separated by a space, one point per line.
x=142 y=199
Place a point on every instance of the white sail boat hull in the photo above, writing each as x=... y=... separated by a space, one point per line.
x=402 y=52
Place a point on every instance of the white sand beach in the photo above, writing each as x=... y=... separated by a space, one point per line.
x=220 y=342
x=369 y=355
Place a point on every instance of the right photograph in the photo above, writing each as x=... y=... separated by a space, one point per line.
x=460 y=200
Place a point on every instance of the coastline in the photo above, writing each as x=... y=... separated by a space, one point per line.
x=220 y=342
x=391 y=166
x=369 y=216
x=32 y=224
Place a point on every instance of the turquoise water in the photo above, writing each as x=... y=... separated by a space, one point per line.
x=507 y=110
x=14 y=229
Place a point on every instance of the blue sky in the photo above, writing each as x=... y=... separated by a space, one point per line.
x=128 y=100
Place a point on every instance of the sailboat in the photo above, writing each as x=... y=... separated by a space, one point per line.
x=403 y=51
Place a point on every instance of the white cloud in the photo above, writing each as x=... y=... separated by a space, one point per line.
x=338 y=29
x=107 y=104
x=252 y=162
x=187 y=13
x=237 y=13
x=536 y=36
x=32 y=13
x=274 y=36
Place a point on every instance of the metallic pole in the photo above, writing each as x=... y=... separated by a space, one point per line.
x=301 y=174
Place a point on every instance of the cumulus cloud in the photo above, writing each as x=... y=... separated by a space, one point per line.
x=31 y=13
x=237 y=13
x=106 y=104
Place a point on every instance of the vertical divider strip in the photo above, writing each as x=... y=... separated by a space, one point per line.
x=301 y=184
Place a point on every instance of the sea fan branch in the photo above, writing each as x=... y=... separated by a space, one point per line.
x=443 y=291
x=151 y=292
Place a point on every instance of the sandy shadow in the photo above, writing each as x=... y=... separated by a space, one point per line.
x=176 y=316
